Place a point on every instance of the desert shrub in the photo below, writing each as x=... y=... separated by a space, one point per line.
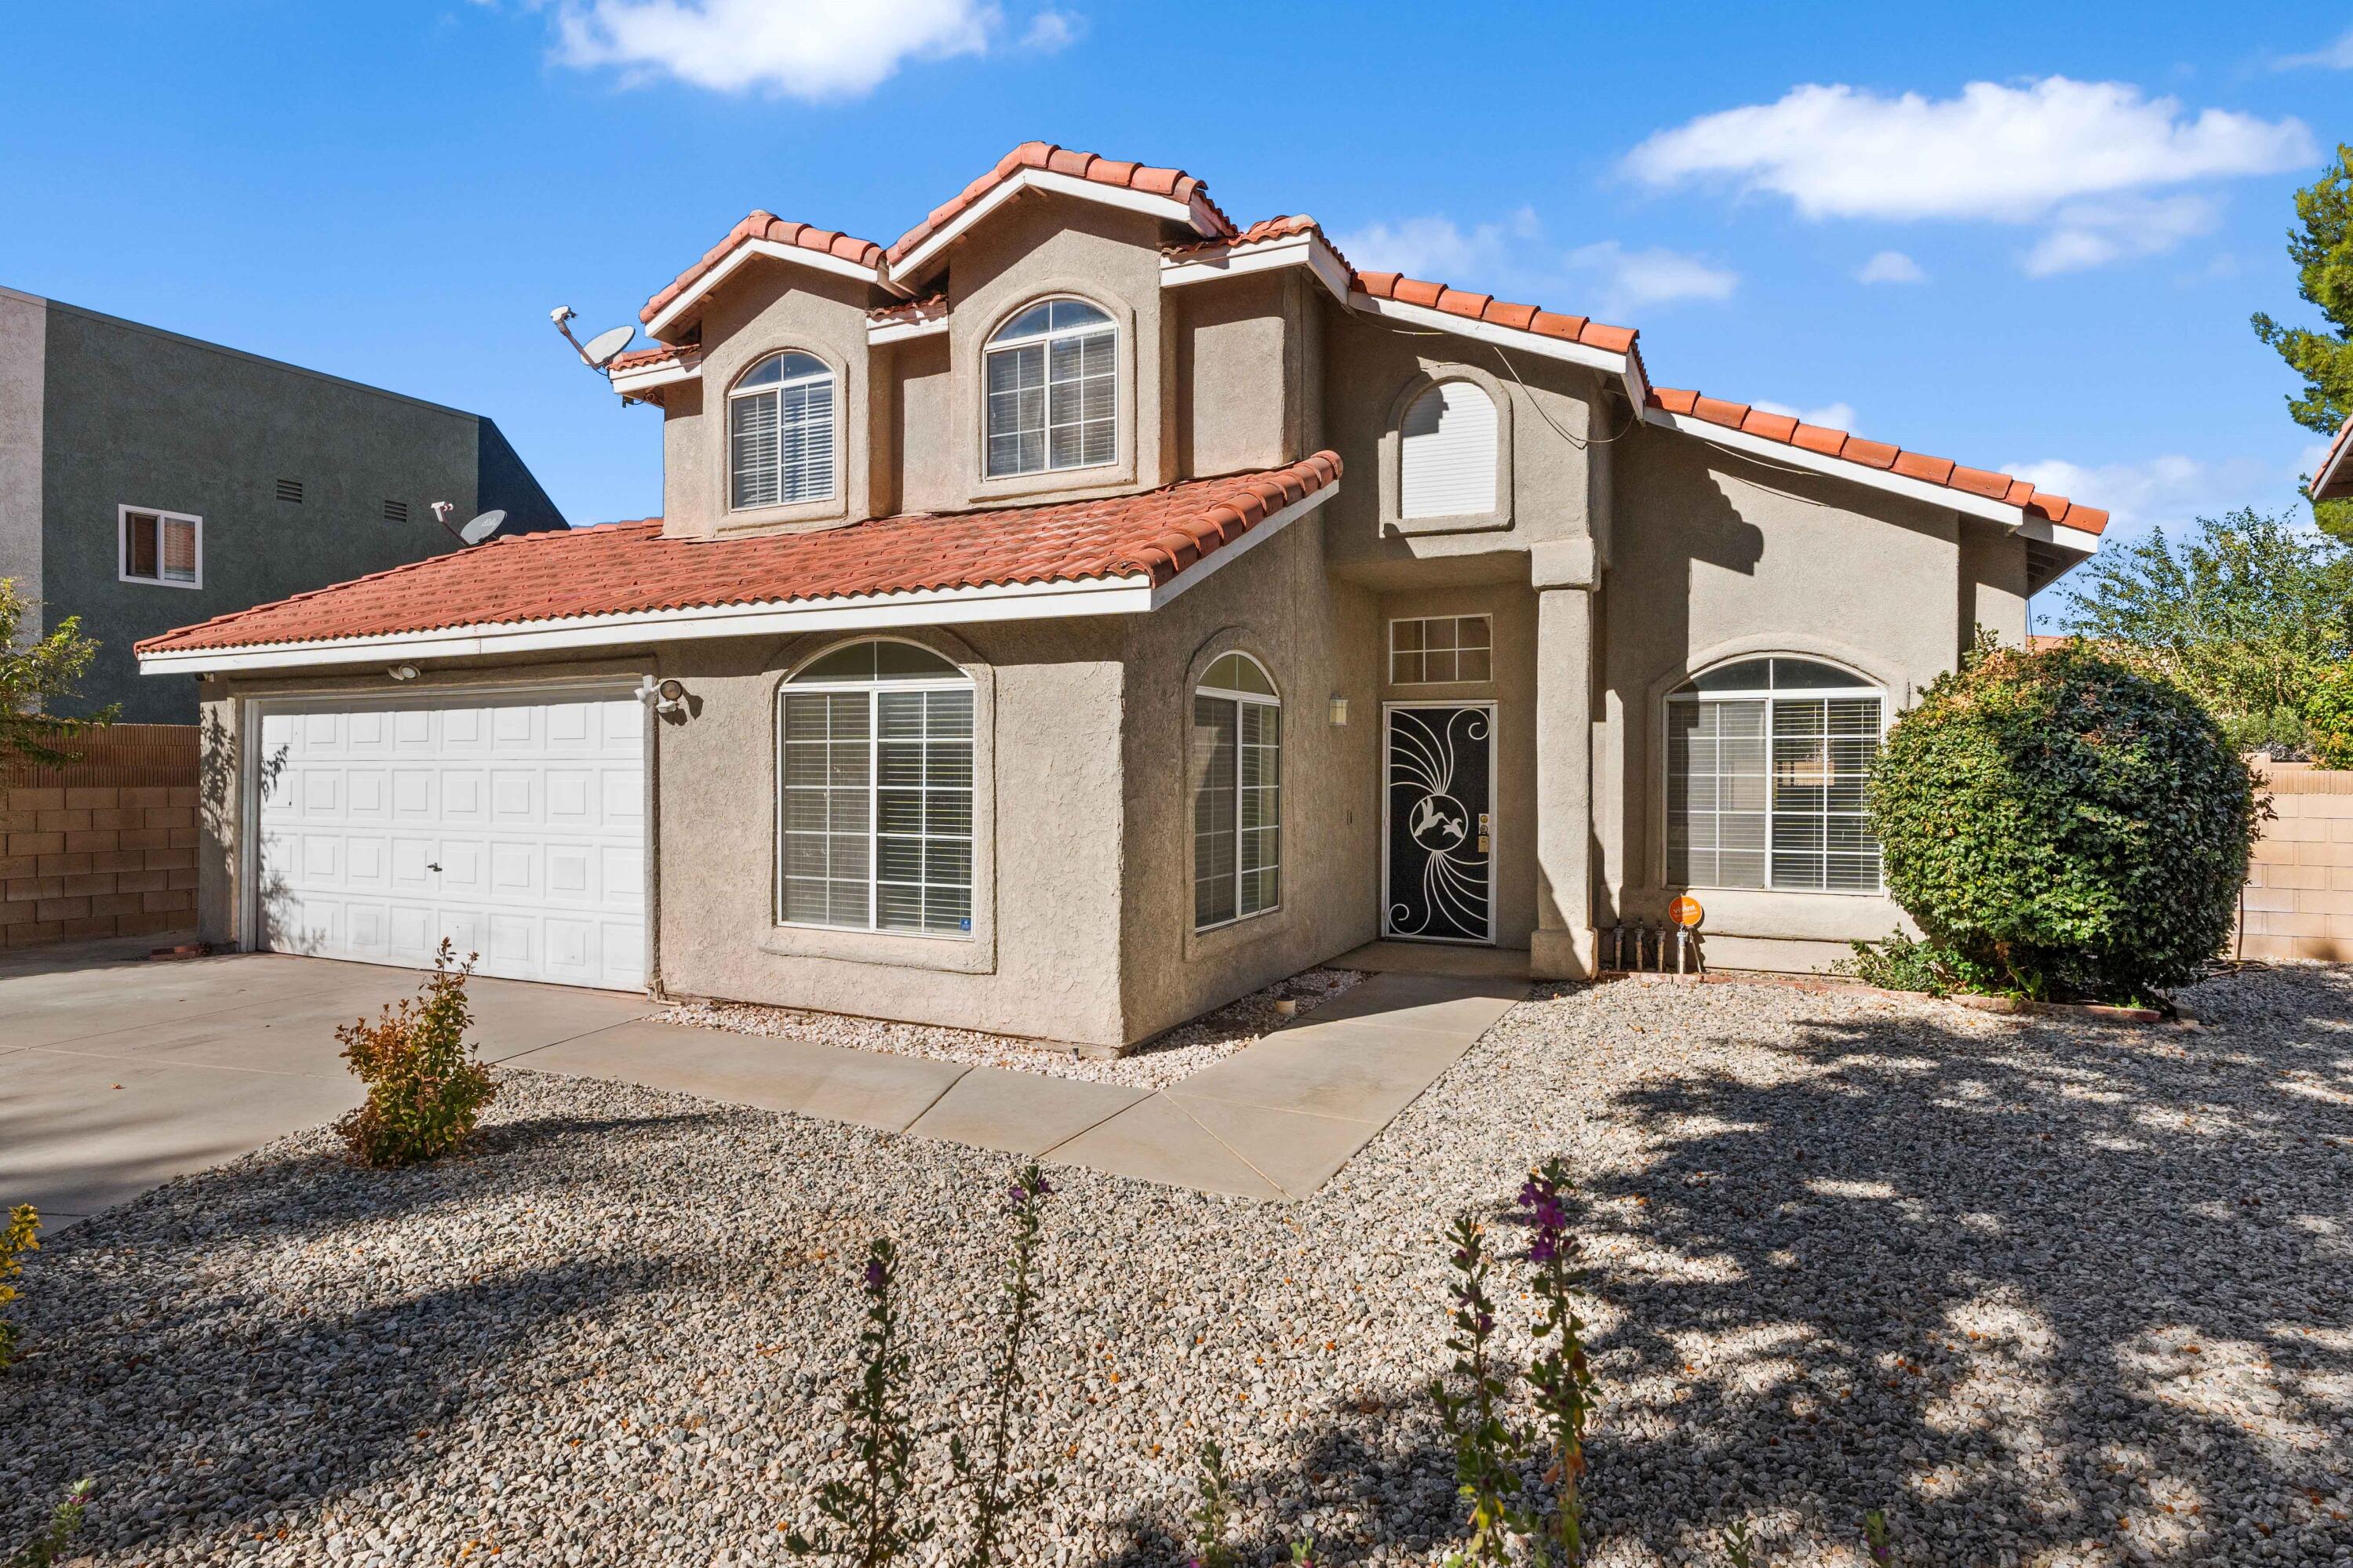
x=20 y=1235
x=425 y=1088
x=2062 y=826
x=1900 y=963
x=65 y=1523
x=2329 y=719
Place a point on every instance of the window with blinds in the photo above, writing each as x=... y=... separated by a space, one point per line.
x=1052 y=390
x=1237 y=793
x=1767 y=761
x=1447 y=448
x=780 y=433
x=877 y=795
x=161 y=547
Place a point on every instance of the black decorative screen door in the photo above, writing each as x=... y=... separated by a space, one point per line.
x=1441 y=864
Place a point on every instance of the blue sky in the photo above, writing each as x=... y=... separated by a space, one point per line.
x=2028 y=237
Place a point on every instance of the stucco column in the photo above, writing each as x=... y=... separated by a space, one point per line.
x=1562 y=946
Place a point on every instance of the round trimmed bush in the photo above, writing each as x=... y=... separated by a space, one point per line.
x=2063 y=827
x=2329 y=719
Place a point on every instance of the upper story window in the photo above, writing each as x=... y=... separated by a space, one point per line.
x=1237 y=793
x=780 y=433
x=875 y=807
x=1766 y=761
x=1447 y=452
x=165 y=547
x=1052 y=391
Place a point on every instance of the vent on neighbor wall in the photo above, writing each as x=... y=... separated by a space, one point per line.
x=290 y=489
x=395 y=511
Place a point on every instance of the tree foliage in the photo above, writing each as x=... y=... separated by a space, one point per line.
x=2064 y=827
x=35 y=676
x=2329 y=715
x=2321 y=246
x=2248 y=614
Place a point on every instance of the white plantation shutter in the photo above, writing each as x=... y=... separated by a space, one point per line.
x=1447 y=466
x=780 y=436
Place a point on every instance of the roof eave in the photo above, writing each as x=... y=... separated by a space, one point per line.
x=1195 y=214
x=688 y=307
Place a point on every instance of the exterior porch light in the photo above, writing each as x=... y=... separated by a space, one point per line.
x=1339 y=711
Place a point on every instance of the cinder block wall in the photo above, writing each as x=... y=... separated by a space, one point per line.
x=105 y=846
x=2299 y=895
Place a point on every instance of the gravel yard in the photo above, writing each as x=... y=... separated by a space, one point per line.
x=2048 y=1292
x=1165 y=1059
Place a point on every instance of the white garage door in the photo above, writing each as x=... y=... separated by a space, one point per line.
x=514 y=826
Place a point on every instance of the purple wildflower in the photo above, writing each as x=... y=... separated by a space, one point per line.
x=875 y=1275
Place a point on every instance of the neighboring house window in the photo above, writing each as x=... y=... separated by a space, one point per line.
x=164 y=547
x=1766 y=766
x=1439 y=649
x=1237 y=793
x=1447 y=444
x=1052 y=392
x=780 y=433
x=875 y=822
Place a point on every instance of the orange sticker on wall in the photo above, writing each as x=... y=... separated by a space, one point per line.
x=1685 y=912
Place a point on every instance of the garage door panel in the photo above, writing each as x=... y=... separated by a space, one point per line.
x=514 y=827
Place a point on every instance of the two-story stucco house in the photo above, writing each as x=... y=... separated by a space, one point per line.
x=1086 y=609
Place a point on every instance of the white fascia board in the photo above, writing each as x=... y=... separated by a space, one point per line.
x=687 y=367
x=1133 y=594
x=1488 y=331
x=880 y=332
x=1231 y=262
x=1839 y=467
x=2059 y=534
x=912 y=265
x=2336 y=467
x=824 y=262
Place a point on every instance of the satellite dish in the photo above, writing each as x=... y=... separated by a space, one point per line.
x=483 y=527
x=603 y=346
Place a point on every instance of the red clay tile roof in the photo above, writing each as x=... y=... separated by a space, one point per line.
x=629 y=566
x=769 y=226
x=639 y=359
x=1265 y=228
x=1487 y=308
x=1829 y=443
x=1174 y=183
x=2334 y=478
x=930 y=307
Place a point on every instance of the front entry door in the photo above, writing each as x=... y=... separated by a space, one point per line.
x=1440 y=855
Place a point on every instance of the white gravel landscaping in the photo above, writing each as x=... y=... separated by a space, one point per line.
x=1160 y=1061
x=2050 y=1292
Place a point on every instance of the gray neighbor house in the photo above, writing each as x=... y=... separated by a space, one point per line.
x=1086 y=609
x=148 y=480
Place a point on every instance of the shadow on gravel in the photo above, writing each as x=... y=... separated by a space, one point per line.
x=2095 y=1284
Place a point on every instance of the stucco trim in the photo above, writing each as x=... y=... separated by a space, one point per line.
x=971 y=395
x=812 y=514
x=1193 y=215
x=1897 y=691
x=1392 y=459
x=1219 y=941
x=973 y=955
x=694 y=298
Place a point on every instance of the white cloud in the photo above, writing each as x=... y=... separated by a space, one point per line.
x=1049 y=31
x=1441 y=250
x=1633 y=279
x=815 y=49
x=1891 y=267
x=1511 y=259
x=2168 y=492
x=1830 y=416
x=2081 y=153
x=2337 y=56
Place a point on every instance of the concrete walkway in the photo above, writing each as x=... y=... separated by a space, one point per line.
x=117 y=1074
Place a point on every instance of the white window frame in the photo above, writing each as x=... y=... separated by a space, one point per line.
x=961 y=681
x=1281 y=791
x=1107 y=328
x=777 y=387
x=1486 y=646
x=122 y=572
x=1769 y=697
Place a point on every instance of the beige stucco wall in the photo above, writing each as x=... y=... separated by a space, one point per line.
x=1241 y=370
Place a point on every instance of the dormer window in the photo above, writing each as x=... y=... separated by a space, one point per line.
x=780 y=433
x=1052 y=391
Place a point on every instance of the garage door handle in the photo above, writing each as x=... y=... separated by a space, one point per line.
x=432 y=866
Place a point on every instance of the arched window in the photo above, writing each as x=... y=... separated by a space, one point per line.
x=1237 y=793
x=1767 y=760
x=780 y=433
x=1053 y=393
x=874 y=829
x=1446 y=463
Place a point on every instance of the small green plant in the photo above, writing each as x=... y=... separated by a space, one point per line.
x=2329 y=719
x=997 y=1495
x=1740 y=1546
x=425 y=1089
x=1875 y=1537
x=1900 y=963
x=1212 y=1517
x=1561 y=1373
x=868 y=1511
x=21 y=1235
x=1487 y=1450
x=64 y=1524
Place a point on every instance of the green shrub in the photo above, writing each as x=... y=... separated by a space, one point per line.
x=65 y=1523
x=19 y=1235
x=2329 y=719
x=1900 y=963
x=425 y=1088
x=2063 y=827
